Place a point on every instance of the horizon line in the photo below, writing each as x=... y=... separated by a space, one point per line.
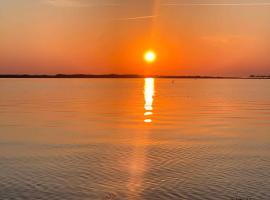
x=113 y=75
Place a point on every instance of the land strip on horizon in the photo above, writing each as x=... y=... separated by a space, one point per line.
x=125 y=76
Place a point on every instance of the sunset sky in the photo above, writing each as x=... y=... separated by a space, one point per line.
x=190 y=37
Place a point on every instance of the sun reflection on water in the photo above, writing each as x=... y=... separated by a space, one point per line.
x=138 y=163
x=149 y=93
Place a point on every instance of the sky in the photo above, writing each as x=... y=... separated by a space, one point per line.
x=190 y=37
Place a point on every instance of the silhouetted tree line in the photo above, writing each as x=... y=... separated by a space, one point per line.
x=260 y=76
x=106 y=76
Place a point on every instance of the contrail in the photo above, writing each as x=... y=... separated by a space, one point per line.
x=74 y=3
x=137 y=18
x=216 y=4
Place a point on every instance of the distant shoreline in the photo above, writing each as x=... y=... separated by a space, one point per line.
x=123 y=76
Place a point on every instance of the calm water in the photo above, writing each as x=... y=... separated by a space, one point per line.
x=134 y=139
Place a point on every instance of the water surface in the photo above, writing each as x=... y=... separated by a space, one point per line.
x=134 y=139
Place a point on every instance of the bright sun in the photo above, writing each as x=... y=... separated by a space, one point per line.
x=150 y=56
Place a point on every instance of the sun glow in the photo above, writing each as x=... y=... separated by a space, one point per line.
x=150 y=56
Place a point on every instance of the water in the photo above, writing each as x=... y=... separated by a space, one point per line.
x=134 y=139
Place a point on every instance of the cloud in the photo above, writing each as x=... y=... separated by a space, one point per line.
x=75 y=3
x=216 y=4
x=93 y=3
x=84 y=3
x=137 y=18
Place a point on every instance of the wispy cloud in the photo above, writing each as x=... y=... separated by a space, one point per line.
x=75 y=3
x=216 y=4
x=83 y=3
x=137 y=18
x=93 y=3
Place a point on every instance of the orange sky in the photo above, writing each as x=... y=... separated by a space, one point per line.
x=110 y=36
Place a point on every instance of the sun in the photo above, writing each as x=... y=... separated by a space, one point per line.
x=150 y=56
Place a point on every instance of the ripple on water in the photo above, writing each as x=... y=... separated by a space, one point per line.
x=86 y=139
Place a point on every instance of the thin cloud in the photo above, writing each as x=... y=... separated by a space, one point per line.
x=83 y=4
x=137 y=18
x=216 y=4
x=74 y=3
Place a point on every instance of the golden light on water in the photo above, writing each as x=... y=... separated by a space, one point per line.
x=149 y=92
x=148 y=120
x=148 y=113
x=150 y=56
x=138 y=163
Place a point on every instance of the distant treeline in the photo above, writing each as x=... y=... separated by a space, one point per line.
x=260 y=76
x=124 y=76
x=107 y=76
